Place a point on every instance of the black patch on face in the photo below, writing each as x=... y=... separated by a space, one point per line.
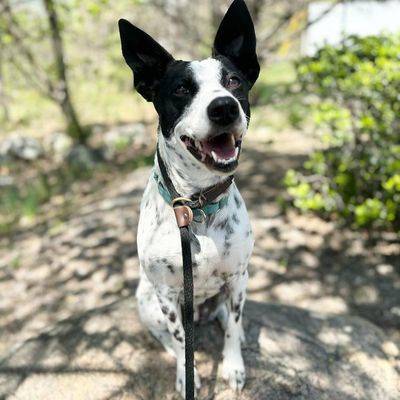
x=169 y=105
x=242 y=92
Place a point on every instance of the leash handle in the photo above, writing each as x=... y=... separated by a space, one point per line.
x=188 y=324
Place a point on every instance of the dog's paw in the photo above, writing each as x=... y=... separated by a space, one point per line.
x=180 y=385
x=234 y=373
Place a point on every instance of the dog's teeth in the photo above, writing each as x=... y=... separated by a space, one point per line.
x=223 y=160
x=236 y=152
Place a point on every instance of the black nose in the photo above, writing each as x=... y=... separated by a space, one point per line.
x=223 y=111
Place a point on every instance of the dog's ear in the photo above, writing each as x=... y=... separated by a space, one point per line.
x=236 y=40
x=147 y=59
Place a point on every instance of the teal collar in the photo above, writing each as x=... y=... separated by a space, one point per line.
x=199 y=214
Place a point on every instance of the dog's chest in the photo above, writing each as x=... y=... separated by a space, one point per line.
x=221 y=246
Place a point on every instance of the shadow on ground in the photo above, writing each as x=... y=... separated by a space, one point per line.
x=68 y=318
x=306 y=261
x=290 y=354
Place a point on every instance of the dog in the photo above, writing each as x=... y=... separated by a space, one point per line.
x=204 y=112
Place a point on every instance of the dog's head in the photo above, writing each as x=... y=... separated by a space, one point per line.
x=203 y=106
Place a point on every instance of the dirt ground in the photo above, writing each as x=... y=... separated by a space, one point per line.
x=58 y=280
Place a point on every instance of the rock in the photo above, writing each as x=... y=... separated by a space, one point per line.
x=293 y=292
x=122 y=137
x=329 y=304
x=21 y=147
x=390 y=349
x=384 y=269
x=4 y=159
x=81 y=157
x=367 y=294
x=58 y=144
x=6 y=180
x=289 y=354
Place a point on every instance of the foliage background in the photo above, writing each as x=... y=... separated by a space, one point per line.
x=71 y=78
x=319 y=174
x=61 y=69
x=355 y=175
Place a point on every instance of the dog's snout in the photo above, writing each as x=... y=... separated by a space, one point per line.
x=223 y=111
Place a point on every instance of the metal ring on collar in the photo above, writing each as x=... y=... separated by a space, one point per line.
x=180 y=199
x=203 y=216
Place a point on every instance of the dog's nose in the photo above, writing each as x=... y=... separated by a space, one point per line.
x=223 y=111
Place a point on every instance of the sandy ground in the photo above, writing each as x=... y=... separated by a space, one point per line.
x=70 y=286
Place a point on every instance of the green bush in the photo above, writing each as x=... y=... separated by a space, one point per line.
x=353 y=92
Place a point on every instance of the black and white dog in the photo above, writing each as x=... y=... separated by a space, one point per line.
x=203 y=113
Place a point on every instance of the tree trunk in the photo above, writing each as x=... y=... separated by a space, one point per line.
x=62 y=95
x=3 y=98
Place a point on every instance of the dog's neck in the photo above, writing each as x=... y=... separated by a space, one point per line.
x=187 y=175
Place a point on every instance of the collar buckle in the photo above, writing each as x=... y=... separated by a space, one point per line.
x=183 y=200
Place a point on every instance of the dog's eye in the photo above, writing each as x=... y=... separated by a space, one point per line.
x=233 y=82
x=182 y=90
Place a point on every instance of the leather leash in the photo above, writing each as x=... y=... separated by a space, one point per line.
x=183 y=208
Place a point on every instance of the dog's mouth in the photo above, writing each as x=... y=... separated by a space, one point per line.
x=220 y=152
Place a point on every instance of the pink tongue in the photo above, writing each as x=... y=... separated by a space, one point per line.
x=223 y=148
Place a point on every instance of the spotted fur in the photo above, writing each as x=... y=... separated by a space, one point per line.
x=222 y=245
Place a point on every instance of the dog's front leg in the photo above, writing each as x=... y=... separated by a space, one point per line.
x=233 y=366
x=169 y=303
